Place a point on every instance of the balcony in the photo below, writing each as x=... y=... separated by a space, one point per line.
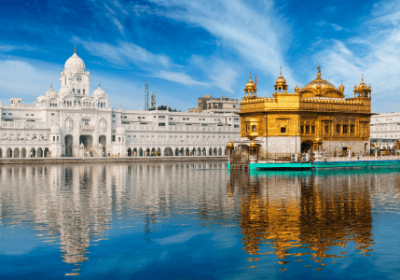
x=87 y=127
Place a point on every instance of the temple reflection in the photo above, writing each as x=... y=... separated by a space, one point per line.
x=304 y=213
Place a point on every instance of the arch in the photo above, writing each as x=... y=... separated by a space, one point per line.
x=306 y=146
x=129 y=152
x=147 y=154
x=68 y=142
x=204 y=152
x=210 y=152
x=182 y=152
x=9 y=153
x=168 y=151
x=33 y=152
x=176 y=152
x=23 y=153
x=39 y=152
x=1 y=152
x=134 y=152
x=153 y=152
x=158 y=152
x=215 y=151
x=220 y=152
x=194 y=152
x=86 y=140
x=198 y=151
x=187 y=152
x=16 y=152
x=46 y=152
x=140 y=152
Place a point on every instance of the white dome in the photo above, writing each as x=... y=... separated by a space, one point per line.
x=51 y=93
x=99 y=92
x=55 y=129
x=121 y=130
x=75 y=64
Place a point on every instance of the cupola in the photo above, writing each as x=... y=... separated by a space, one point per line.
x=280 y=84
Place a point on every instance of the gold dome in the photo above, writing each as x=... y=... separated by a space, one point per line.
x=230 y=144
x=253 y=144
x=362 y=85
x=341 y=88
x=281 y=81
x=321 y=87
x=296 y=89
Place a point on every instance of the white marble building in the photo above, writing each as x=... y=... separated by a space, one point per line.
x=385 y=130
x=73 y=122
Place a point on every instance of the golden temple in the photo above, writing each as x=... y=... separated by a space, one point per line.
x=317 y=116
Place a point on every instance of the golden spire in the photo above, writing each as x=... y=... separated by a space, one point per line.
x=99 y=84
x=319 y=72
x=362 y=78
x=74 y=48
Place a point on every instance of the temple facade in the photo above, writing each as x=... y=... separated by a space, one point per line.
x=317 y=116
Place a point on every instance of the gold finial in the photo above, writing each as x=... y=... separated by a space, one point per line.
x=99 y=84
x=281 y=70
x=250 y=75
x=51 y=86
x=74 y=48
x=362 y=78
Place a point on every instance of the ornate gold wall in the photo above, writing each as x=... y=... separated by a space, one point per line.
x=317 y=111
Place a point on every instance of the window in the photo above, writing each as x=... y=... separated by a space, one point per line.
x=113 y=116
x=113 y=137
x=83 y=92
x=9 y=113
x=236 y=126
x=161 y=117
x=313 y=129
x=326 y=129
x=6 y=114
x=79 y=91
x=352 y=129
x=124 y=117
x=161 y=124
x=283 y=129
x=338 y=128
x=345 y=129
x=32 y=114
x=73 y=90
x=247 y=128
x=26 y=114
x=302 y=129
x=254 y=128
x=307 y=129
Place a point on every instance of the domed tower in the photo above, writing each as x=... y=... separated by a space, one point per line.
x=280 y=85
x=362 y=91
x=250 y=88
x=75 y=77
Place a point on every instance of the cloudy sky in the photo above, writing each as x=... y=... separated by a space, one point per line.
x=186 y=49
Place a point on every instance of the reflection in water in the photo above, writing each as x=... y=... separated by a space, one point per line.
x=294 y=216
x=303 y=213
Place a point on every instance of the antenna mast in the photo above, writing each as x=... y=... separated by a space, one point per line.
x=146 y=95
x=153 y=100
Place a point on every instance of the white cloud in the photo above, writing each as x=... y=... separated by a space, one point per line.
x=252 y=31
x=177 y=77
x=375 y=52
x=336 y=27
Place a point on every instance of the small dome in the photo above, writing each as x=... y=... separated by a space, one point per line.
x=55 y=129
x=281 y=81
x=121 y=130
x=51 y=93
x=341 y=88
x=362 y=85
x=250 y=84
x=230 y=145
x=75 y=64
x=296 y=89
x=99 y=92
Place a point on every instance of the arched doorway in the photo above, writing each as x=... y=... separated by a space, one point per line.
x=140 y=152
x=16 y=153
x=86 y=140
x=204 y=152
x=33 y=152
x=23 y=152
x=129 y=152
x=198 y=151
x=102 y=141
x=46 y=152
x=40 y=152
x=153 y=152
x=220 y=152
x=68 y=145
x=215 y=151
x=187 y=152
x=147 y=152
x=158 y=152
x=306 y=146
x=134 y=152
x=194 y=152
x=167 y=151
x=210 y=152
x=176 y=152
x=9 y=153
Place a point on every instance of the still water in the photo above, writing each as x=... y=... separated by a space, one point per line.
x=197 y=221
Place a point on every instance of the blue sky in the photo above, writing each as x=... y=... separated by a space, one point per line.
x=186 y=49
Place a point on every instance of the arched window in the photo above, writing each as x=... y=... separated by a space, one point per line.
x=73 y=91
x=79 y=91
x=83 y=91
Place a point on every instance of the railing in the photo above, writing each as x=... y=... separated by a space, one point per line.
x=239 y=159
x=87 y=127
x=285 y=157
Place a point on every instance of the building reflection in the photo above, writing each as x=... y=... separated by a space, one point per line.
x=76 y=204
x=304 y=213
